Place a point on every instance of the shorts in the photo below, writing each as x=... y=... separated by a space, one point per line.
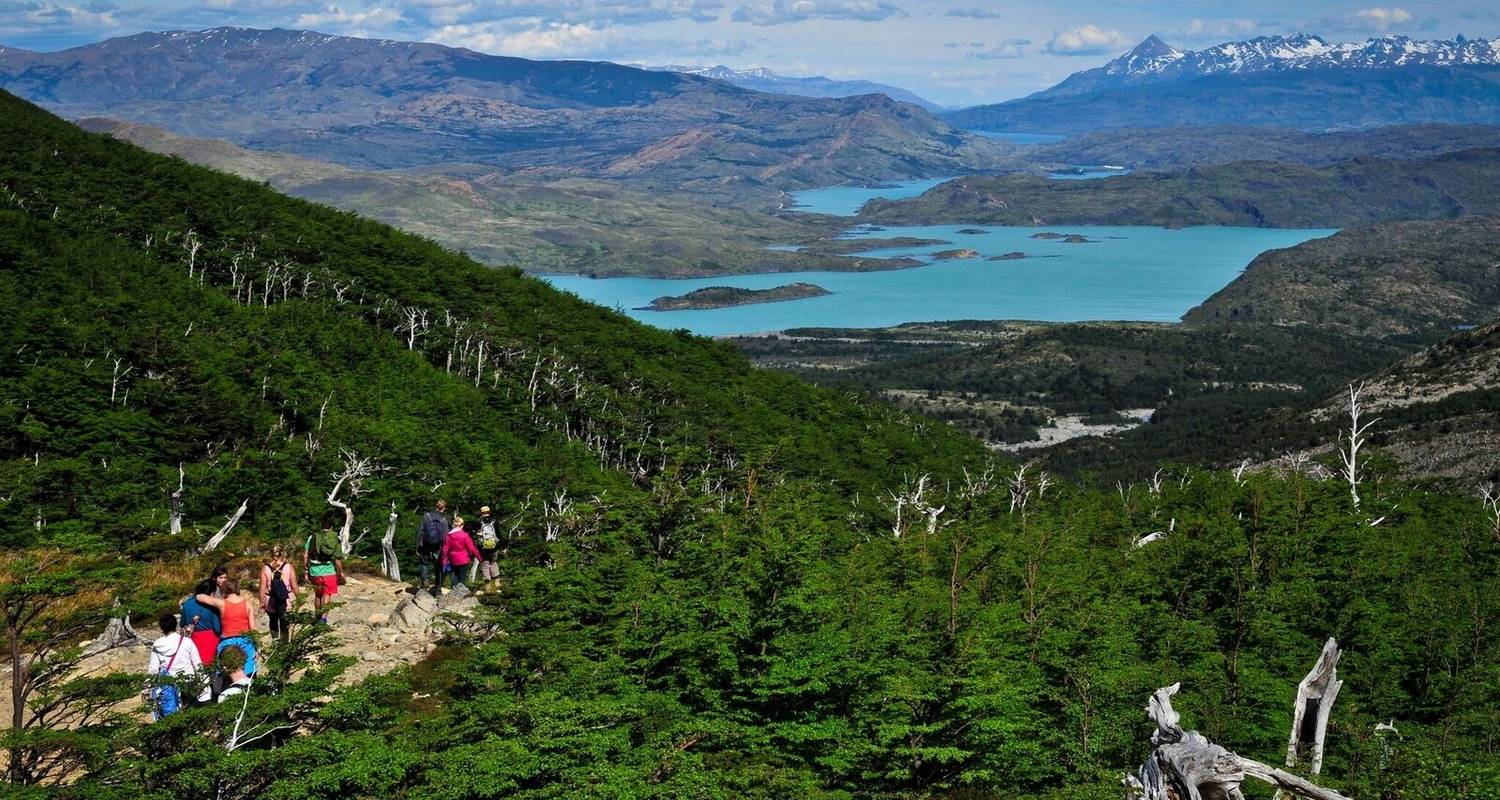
x=325 y=585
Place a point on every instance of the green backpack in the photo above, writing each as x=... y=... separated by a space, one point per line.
x=323 y=546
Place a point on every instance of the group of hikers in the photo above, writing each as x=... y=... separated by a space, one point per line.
x=464 y=551
x=209 y=643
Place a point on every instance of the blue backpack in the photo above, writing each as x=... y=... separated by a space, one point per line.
x=166 y=700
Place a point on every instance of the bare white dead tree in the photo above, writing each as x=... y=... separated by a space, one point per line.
x=388 y=562
x=913 y=495
x=176 y=513
x=192 y=243
x=1352 y=440
x=1156 y=536
x=1315 y=696
x=1490 y=494
x=352 y=478
x=234 y=519
x=1154 y=486
x=121 y=372
x=1021 y=488
x=414 y=323
x=977 y=484
x=556 y=514
x=1185 y=765
x=1239 y=472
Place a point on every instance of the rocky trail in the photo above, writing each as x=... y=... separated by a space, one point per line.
x=378 y=622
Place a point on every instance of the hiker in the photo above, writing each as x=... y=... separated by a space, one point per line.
x=173 y=658
x=489 y=545
x=236 y=623
x=458 y=551
x=201 y=622
x=278 y=585
x=323 y=564
x=219 y=576
x=430 y=535
x=232 y=663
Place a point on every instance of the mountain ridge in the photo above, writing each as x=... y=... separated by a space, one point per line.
x=763 y=79
x=385 y=104
x=1358 y=191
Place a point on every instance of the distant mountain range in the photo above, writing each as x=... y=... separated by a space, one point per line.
x=1300 y=81
x=371 y=103
x=761 y=79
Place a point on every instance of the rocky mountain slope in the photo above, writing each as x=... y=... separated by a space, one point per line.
x=1381 y=280
x=387 y=104
x=1155 y=148
x=1300 y=82
x=1262 y=194
x=540 y=224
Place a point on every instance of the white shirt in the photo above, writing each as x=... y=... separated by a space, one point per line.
x=238 y=687
x=181 y=654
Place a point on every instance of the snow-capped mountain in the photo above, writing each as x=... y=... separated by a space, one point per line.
x=1154 y=61
x=761 y=79
x=1300 y=81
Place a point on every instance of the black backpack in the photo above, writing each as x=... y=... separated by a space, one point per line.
x=278 y=594
x=433 y=529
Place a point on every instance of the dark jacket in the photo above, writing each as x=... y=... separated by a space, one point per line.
x=433 y=530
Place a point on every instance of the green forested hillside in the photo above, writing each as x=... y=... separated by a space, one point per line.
x=713 y=590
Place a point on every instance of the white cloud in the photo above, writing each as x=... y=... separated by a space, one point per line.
x=1374 y=20
x=337 y=19
x=973 y=12
x=1381 y=18
x=779 y=12
x=598 y=13
x=1212 y=31
x=1084 y=40
x=31 y=17
x=1010 y=48
x=551 y=40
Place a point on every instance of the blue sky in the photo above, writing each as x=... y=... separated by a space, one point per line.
x=956 y=52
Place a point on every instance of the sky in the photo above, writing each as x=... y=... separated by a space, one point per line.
x=953 y=52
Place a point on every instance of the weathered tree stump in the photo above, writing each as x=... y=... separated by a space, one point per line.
x=1187 y=766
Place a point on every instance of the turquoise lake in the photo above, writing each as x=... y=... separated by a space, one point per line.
x=1122 y=273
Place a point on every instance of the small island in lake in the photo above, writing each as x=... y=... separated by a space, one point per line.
x=955 y=255
x=972 y=231
x=710 y=297
x=1067 y=238
x=1014 y=255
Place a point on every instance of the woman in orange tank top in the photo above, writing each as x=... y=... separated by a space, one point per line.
x=235 y=620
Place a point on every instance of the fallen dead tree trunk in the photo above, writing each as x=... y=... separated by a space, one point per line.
x=1187 y=766
x=234 y=520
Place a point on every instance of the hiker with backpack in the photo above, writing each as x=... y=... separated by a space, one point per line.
x=458 y=551
x=430 y=536
x=323 y=563
x=489 y=545
x=173 y=659
x=278 y=586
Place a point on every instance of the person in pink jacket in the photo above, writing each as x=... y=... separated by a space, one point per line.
x=458 y=550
